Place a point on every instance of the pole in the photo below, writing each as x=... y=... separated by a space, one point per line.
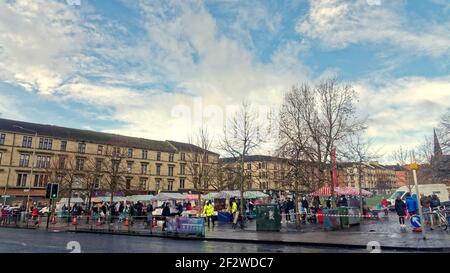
x=50 y=211
x=32 y=168
x=420 y=206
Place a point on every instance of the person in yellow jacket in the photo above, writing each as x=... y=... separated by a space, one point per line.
x=234 y=210
x=208 y=210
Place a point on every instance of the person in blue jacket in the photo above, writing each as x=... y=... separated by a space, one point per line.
x=411 y=204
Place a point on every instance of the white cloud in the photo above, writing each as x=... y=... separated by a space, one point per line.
x=402 y=111
x=340 y=23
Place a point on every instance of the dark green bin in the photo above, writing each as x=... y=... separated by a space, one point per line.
x=268 y=217
x=343 y=211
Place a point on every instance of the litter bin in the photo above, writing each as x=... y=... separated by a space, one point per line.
x=331 y=219
x=343 y=212
x=224 y=217
x=268 y=217
x=354 y=219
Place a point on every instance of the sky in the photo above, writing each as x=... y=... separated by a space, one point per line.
x=159 y=69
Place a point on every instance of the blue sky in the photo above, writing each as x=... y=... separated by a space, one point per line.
x=157 y=69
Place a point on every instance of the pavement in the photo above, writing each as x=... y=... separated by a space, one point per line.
x=385 y=232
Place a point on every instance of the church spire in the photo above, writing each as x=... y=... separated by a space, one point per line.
x=437 y=146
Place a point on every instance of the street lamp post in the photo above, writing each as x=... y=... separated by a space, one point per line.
x=32 y=161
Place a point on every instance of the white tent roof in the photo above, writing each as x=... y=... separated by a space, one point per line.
x=136 y=198
x=107 y=199
x=169 y=196
x=73 y=200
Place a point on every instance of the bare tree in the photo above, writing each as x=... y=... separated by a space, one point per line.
x=402 y=157
x=240 y=139
x=359 y=149
x=313 y=120
x=445 y=130
x=199 y=164
x=113 y=169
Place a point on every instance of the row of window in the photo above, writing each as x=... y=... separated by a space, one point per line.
x=41 y=180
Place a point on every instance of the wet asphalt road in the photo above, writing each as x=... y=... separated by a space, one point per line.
x=38 y=241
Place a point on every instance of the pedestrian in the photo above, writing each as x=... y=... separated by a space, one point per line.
x=411 y=204
x=180 y=208
x=291 y=210
x=165 y=214
x=400 y=208
x=426 y=208
x=35 y=215
x=435 y=202
x=305 y=207
x=149 y=213
x=4 y=215
x=328 y=203
x=286 y=210
x=385 y=205
x=188 y=206
x=208 y=210
x=234 y=211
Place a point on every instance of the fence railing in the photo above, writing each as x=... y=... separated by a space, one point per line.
x=154 y=225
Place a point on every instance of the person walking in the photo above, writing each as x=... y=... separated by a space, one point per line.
x=400 y=208
x=411 y=204
x=149 y=214
x=234 y=211
x=4 y=215
x=385 y=205
x=208 y=210
x=305 y=207
x=165 y=214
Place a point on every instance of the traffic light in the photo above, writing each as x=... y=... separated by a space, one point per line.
x=52 y=191
x=49 y=190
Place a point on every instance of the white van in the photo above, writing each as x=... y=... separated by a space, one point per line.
x=427 y=189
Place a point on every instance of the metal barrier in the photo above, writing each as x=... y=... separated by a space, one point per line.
x=116 y=224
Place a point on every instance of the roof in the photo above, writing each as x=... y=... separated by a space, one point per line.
x=188 y=147
x=442 y=168
x=85 y=135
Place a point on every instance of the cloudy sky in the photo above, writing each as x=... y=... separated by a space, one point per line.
x=157 y=69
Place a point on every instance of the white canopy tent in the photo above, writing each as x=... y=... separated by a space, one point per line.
x=73 y=200
x=169 y=196
x=142 y=198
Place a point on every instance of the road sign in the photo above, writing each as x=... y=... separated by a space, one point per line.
x=415 y=221
x=8 y=196
x=413 y=166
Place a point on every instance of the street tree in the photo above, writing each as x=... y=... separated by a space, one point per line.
x=243 y=135
x=312 y=121
x=200 y=164
x=359 y=149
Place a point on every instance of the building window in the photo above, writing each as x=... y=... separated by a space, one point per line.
x=100 y=149
x=96 y=184
x=182 y=169
x=81 y=148
x=1 y=156
x=143 y=184
x=2 y=139
x=40 y=180
x=62 y=162
x=158 y=169
x=45 y=143
x=144 y=168
x=158 y=156
x=170 y=170
x=116 y=151
x=130 y=153
x=21 y=180
x=170 y=185
x=144 y=154
x=196 y=157
x=27 y=140
x=182 y=183
x=79 y=164
x=158 y=183
x=171 y=157
x=249 y=166
x=63 y=145
x=98 y=164
x=128 y=184
x=43 y=162
x=182 y=156
x=129 y=167
x=24 y=160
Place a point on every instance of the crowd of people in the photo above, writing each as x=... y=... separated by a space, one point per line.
x=410 y=207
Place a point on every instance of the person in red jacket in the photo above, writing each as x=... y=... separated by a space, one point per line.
x=4 y=215
x=385 y=205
